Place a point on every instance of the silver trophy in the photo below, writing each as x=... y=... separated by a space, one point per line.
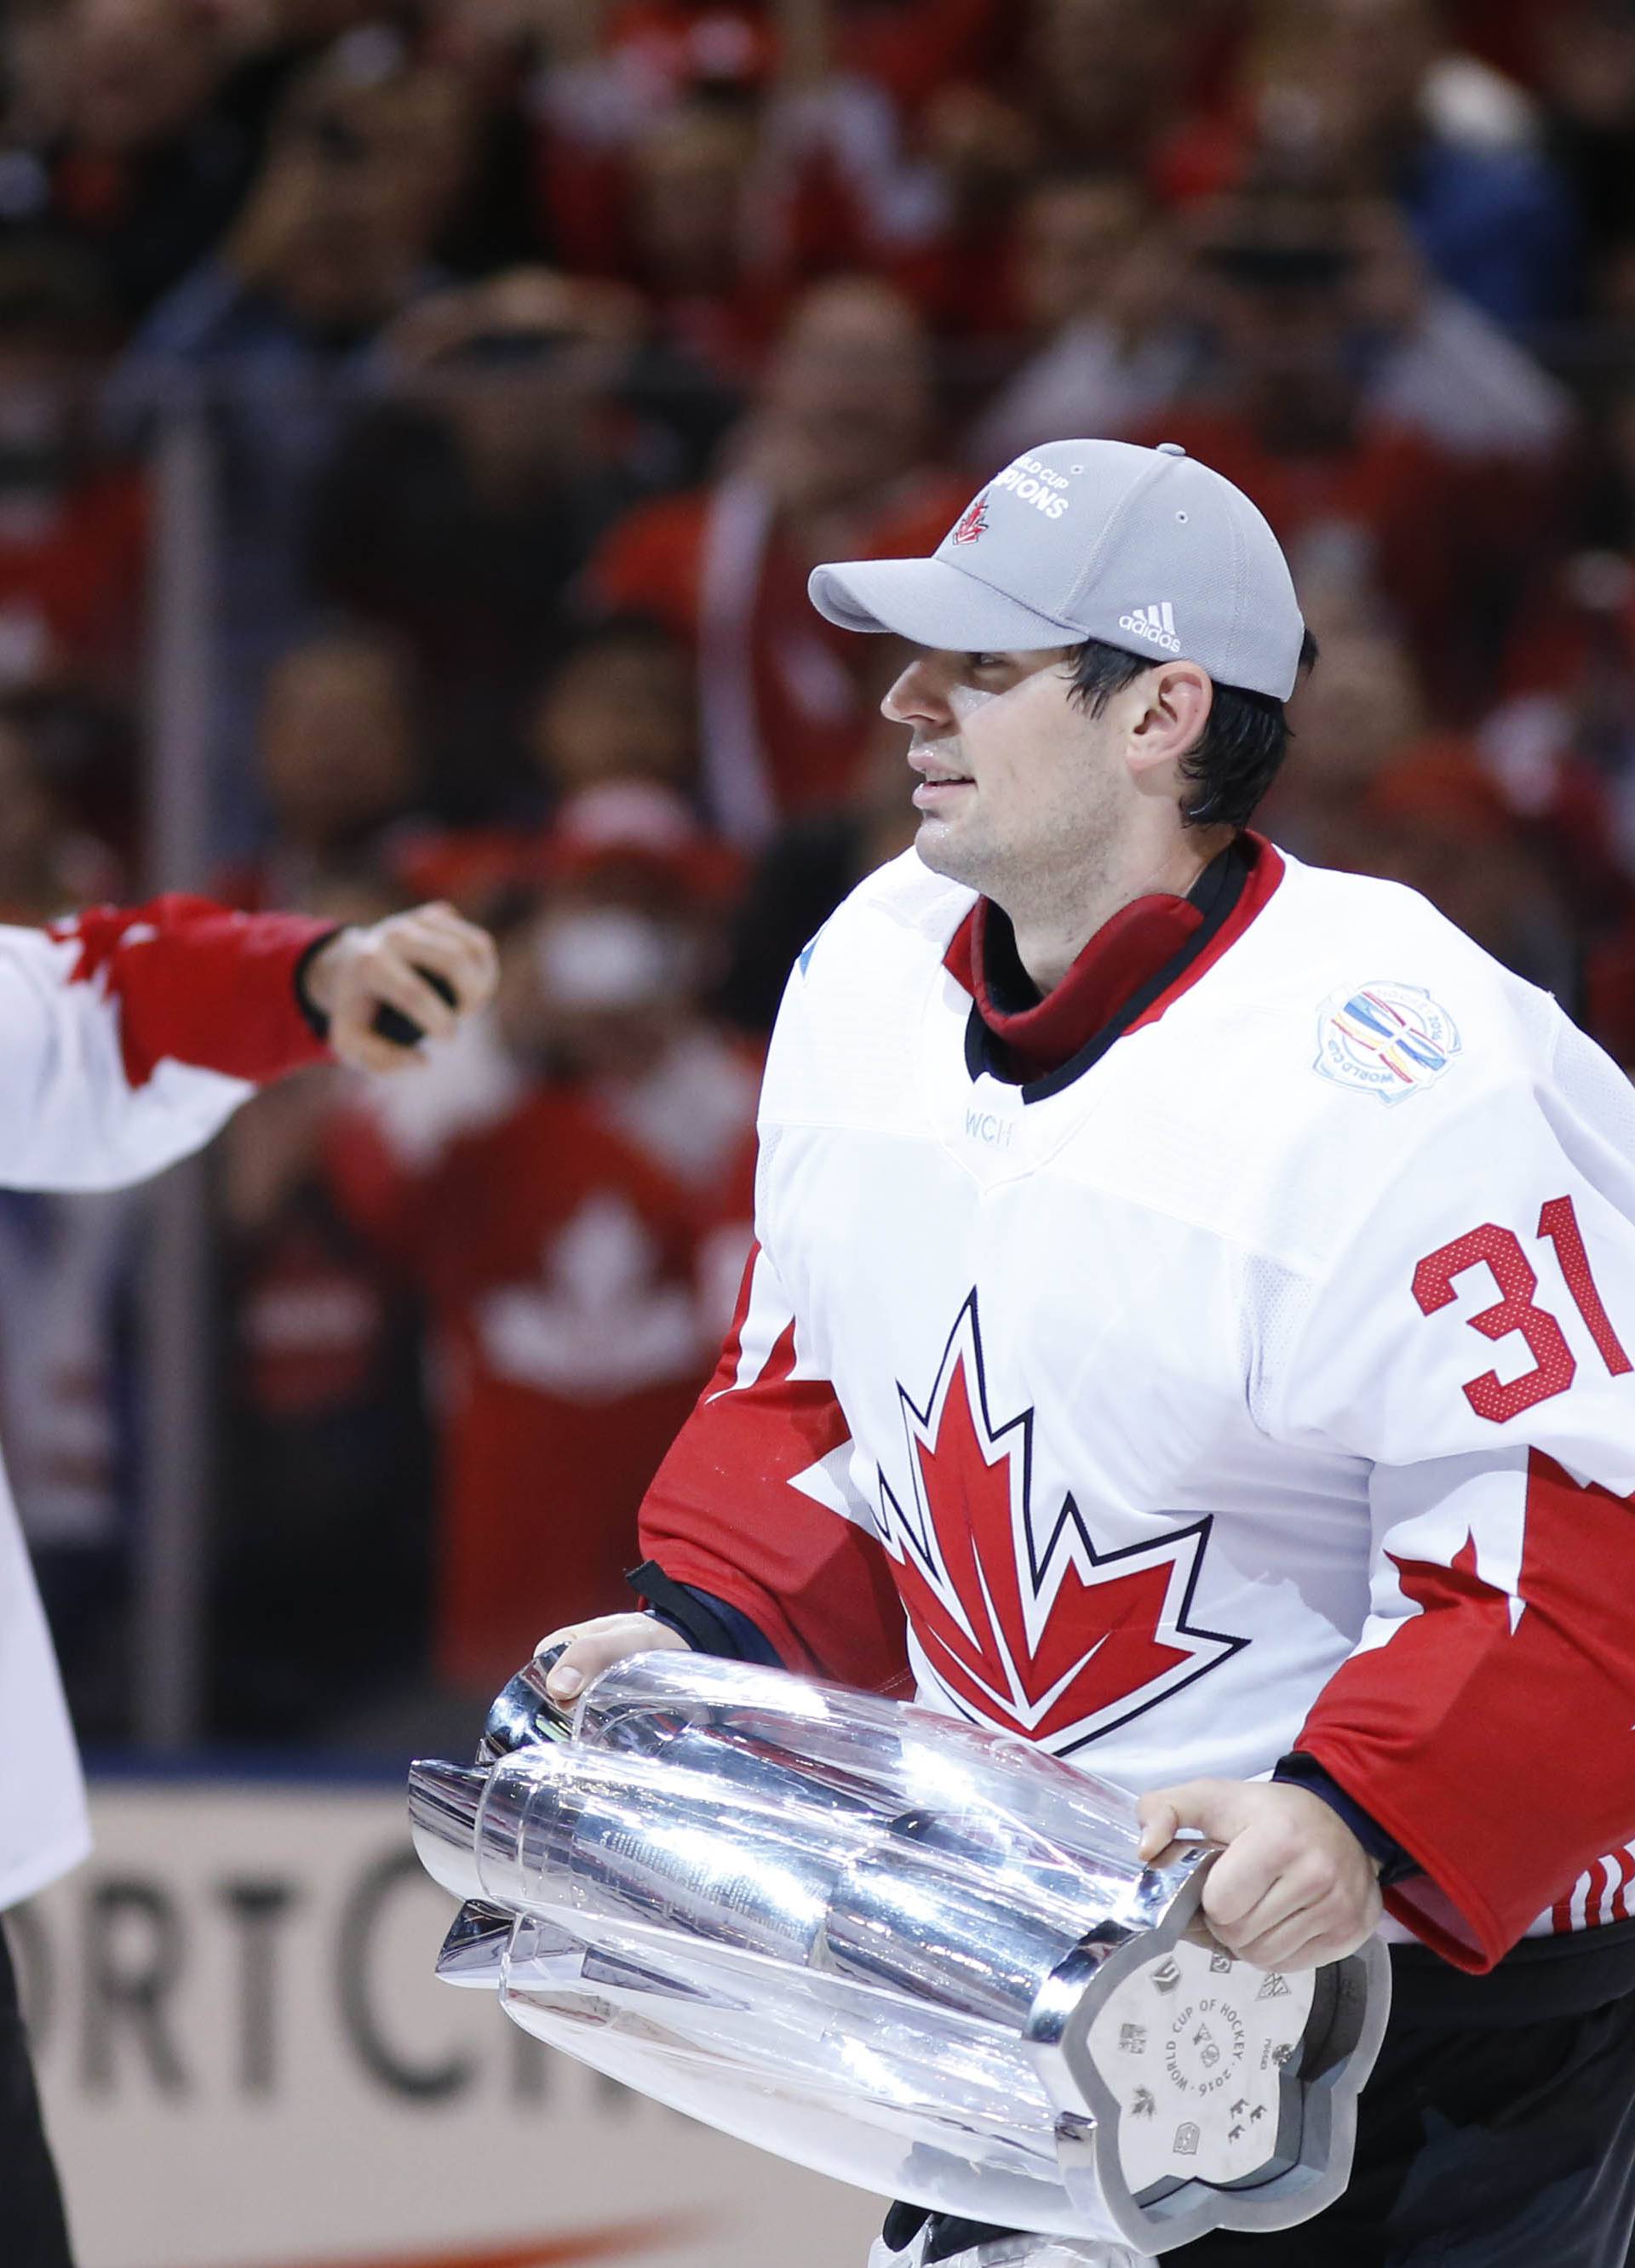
x=913 y=1953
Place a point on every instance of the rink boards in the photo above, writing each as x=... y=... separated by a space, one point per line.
x=248 y=2064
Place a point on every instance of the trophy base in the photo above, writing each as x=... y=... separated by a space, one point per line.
x=1198 y=2092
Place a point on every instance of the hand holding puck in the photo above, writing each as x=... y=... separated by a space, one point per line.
x=381 y=990
x=390 y=1023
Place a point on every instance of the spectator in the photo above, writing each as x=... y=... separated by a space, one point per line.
x=911 y=47
x=1561 y=746
x=1356 y=497
x=1108 y=89
x=614 y=723
x=958 y=257
x=1434 y=819
x=676 y=1087
x=326 y=1445
x=620 y=707
x=826 y=89
x=488 y=223
x=1118 y=328
x=832 y=462
x=340 y=771
x=1441 y=367
x=816 y=859
x=1109 y=83
x=73 y=525
x=49 y=865
x=693 y=252
x=142 y=169
x=33 y=96
x=1353 y=719
x=1099 y=87
x=1425 y=359
x=1101 y=292
x=572 y=1277
x=277 y=335
x=1606 y=518
x=1368 y=89
x=458 y=505
x=603 y=88
x=1586 y=50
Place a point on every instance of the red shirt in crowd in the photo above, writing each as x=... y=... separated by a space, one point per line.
x=810 y=711
x=561 y=1266
x=73 y=575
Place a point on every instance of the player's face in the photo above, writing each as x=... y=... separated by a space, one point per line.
x=1018 y=791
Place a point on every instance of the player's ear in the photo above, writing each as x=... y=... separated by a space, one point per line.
x=1173 y=705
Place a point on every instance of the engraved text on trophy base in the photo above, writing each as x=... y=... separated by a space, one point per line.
x=1195 y=2046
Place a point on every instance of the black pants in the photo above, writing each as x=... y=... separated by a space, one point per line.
x=1479 y=2145
x=32 y=2231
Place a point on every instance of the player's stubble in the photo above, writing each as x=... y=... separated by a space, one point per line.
x=1037 y=829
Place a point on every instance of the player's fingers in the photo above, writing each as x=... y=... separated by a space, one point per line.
x=582 y=1659
x=461 y=953
x=1159 y=1820
x=592 y=1626
x=1311 y=1914
x=428 y=924
x=1211 y=1809
x=389 y=974
x=1260 y=1871
x=439 y=914
x=1277 y=1920
x=1295 y=1942
x=597 y=1646
x=461 y=956
x=1265 y=1877
x=1214 y=1808
x=1325 y=1932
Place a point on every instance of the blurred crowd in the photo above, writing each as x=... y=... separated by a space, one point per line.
x=535 y=350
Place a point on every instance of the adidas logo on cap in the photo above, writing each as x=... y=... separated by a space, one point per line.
x=1156 y=622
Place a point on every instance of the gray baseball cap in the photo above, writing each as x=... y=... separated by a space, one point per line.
x=1142 y=549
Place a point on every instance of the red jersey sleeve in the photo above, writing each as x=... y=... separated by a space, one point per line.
x=194 y=983
x=1469 y=1343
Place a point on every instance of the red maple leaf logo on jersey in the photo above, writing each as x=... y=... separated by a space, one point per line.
x=974 y=522
x=1050 y=1638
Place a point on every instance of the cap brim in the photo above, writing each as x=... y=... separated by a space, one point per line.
x=931 y=603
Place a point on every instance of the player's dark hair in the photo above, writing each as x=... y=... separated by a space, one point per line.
x=1235 y=759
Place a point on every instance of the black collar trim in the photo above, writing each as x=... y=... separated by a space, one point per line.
x=1215 y=894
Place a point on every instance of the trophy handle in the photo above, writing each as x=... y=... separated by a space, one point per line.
x=523 y=1714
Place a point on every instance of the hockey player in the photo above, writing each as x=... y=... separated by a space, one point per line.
x=126 y=1039
x=1191 y=1327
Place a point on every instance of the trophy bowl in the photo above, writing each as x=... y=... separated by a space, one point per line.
x=915 y=1953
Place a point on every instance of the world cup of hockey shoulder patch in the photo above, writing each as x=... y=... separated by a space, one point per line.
x=1384 y=1039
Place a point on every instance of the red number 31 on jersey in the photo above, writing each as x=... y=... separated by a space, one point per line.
x=1500 y=1251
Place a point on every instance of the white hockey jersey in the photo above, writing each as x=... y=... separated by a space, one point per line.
x=126 y=1039
x=1265 y=1383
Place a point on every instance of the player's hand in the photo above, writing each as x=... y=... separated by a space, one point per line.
x=1292 y=1886
x=358 y=971
x=596 y=1645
